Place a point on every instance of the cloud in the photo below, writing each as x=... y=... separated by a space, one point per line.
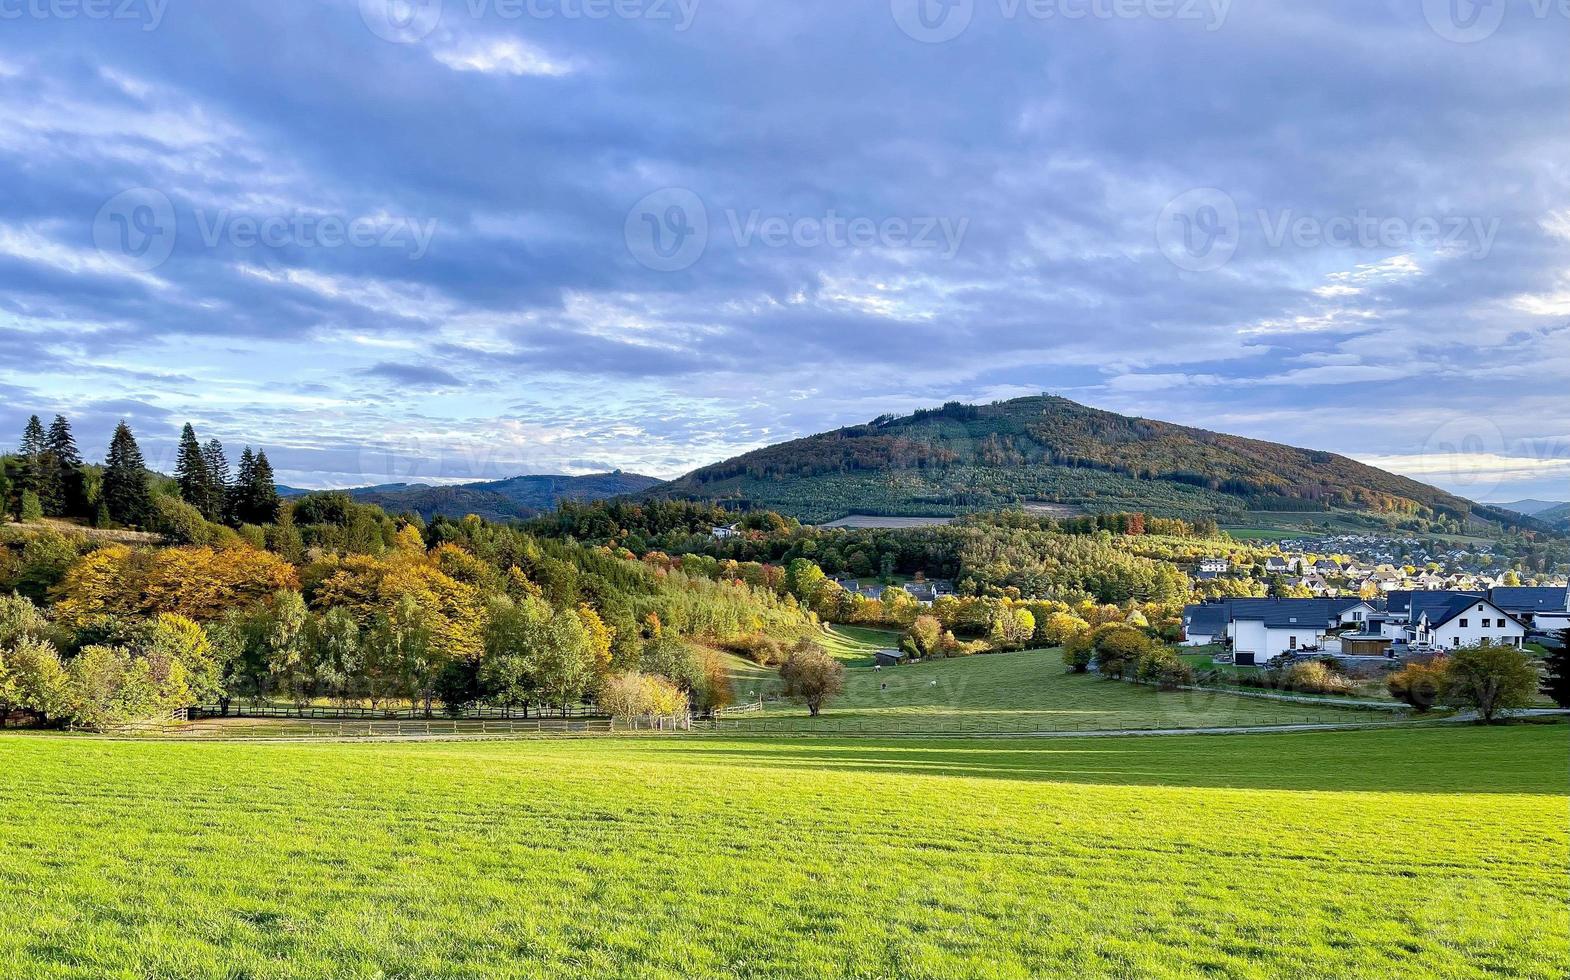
x=414 y=375
x=530 y=317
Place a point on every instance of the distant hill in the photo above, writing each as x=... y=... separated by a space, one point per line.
x=1557 y=516
x=1534 y=508
x=1048 y=449
x=518 y=498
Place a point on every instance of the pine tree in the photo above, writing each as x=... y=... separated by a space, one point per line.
x=239 y=504
x=217 y=481
x=31 y=475
x=6 y=506
x=190 y=470
x=126 y=494
x=67 y=461
x=264 y=492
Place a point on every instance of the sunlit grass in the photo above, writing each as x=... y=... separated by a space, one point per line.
x=1414 y=853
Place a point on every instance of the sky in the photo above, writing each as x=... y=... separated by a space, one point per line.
x=447 y=240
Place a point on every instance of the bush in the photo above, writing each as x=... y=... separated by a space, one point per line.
x=634 y=695
x=1162 y=667
x=1315 y=677
x=32 y=509
x=1119 y=649
x=1419 y=684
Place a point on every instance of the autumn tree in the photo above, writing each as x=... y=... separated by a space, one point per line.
x=812 y=676
x=1490 y=679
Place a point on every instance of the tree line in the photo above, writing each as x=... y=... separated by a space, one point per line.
x=47 y=477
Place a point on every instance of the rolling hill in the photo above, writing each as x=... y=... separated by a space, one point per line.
x=518 y=498
x=1047 y=449
x=1534 y=508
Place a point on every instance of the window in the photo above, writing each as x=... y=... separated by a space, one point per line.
x=1292 y=643
x=1463 y=624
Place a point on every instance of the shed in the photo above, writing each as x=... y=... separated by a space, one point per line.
x=889 y=658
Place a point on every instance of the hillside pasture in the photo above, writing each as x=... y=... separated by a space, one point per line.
x=1415 y=853
x=1022 y=693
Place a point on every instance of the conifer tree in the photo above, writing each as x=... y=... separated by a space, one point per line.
x=31 y=475
x=126 y=494
x=217 y=481
x=239 y=503
x=190 y=470
x=60 y=445
x=263 y=494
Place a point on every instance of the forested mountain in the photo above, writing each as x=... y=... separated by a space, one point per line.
x=1534 y=508
x=499 y=500
x=962 y=458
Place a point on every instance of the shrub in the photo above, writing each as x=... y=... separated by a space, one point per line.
x=1119 y=649
x=32 y=509
x=1419 y=684
x=1160 y=666
x=634 y=695
x=1314 y=677
x=1078 y=649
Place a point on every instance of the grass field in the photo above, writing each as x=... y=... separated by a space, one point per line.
x=1016 y=693
x=1412 y=853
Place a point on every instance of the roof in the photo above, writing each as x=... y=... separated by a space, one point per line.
x=1528 y=600
x=1283 y=613
x=1209 y=619
x=1436 y=604
x=1340 y=604
x=1398 y=601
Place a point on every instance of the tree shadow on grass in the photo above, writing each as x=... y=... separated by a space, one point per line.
x=1525 y=759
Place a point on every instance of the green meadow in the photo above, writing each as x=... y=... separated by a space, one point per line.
x=1424 y=852
x=1020 y=693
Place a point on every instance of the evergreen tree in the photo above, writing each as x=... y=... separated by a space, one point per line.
x=190 y=470
x=6 y=506
x=218 y=481
x=126 y=494
x=60 y=445
x=1556 y=679
x=31 y=475
x=263 y=494
x=239 y=505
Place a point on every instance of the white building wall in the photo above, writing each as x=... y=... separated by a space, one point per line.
x=1482 y=621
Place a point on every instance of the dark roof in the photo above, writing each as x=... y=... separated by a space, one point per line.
x=1440 y=613
x=1438 y=604
x=1209 y=619
x=1399 y=601
x=1528 y=600
x=1283 y=613
x=1340 y=604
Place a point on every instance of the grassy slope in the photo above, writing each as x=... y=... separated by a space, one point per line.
x=1023 y=692
x=1418 y=853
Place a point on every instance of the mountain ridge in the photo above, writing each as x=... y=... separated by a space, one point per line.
x=1045 y=448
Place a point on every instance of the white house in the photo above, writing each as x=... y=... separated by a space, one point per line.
x=1204 y=624
x=729 y=531
x=1464 y=621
